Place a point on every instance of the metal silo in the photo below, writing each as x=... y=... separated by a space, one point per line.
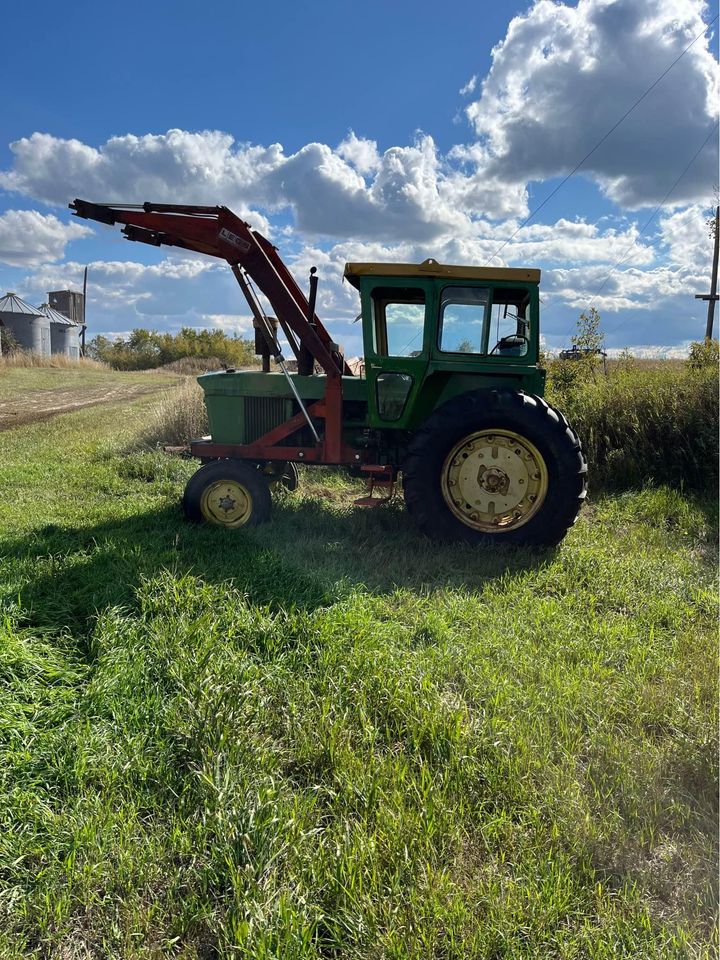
x=28 y=326
x=64 y=334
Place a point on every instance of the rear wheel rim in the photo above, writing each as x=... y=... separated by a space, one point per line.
x=494 y=481
x=226 y=503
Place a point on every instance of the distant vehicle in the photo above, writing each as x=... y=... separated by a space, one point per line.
x=579 y=353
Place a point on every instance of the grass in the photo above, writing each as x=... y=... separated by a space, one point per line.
x=58 y=361
x=22 y=382
x=329 y=738
x=644 y=422
x=177 y=417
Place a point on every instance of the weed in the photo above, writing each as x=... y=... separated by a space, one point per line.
x=644 y=424
x=178 y=417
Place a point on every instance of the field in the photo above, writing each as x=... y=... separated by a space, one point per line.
x=29 y=394
x=330 y=738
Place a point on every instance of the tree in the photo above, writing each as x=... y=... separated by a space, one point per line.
x=567 y=375
x=144 y=349
x=589 y=337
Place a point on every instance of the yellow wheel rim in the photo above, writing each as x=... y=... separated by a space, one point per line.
x=227 y=503
x=494 y=480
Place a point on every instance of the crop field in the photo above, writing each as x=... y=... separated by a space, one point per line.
x=329 y=738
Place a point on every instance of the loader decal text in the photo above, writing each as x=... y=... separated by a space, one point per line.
x=234 y=239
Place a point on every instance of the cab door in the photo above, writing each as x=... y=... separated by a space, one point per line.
x=397 y=313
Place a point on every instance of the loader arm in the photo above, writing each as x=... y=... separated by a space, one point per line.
x=218 y=232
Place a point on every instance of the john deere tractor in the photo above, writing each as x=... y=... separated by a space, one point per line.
x=449 y=397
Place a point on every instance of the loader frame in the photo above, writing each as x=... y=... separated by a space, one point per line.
x=254 y=261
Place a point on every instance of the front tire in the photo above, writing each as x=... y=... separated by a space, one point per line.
x=227 y=493
x=495 y=466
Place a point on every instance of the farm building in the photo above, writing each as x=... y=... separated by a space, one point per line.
x=27 y=325
x=43 y=330
x=64 y=334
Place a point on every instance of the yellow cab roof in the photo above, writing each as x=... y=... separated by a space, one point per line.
x=431 y=268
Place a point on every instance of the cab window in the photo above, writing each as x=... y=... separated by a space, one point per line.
x=463 y=313
x=510 y=323
x=398 y=321
x=484 y=321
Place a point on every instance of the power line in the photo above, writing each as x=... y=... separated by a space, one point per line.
x=645 y=226
x=647 y=223
x=602 y=140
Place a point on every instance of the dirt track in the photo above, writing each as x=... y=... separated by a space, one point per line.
x=33 y=405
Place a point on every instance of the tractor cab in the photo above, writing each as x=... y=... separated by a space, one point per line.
x=430 y=330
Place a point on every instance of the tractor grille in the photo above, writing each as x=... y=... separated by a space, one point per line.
x=261 y=415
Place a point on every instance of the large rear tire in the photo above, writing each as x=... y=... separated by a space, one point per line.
x=227 y=493
x=495 y=466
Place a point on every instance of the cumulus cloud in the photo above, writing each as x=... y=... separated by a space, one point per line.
x=230 y=323
x=29 y=238
x=564 y=75
x=411 y=191
x=560 y=78
x=359 y=153
x=123 y=294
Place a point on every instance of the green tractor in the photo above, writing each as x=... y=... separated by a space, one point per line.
x=449 y=395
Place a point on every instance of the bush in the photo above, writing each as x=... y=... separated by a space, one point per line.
x=8 y=343
x=193 y=366
x=645 y=424
x=703 y=354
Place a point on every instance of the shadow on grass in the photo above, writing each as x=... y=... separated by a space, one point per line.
x=309 y=556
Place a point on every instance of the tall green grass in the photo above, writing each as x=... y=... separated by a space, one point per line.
x=645 y=424
x=330 y=738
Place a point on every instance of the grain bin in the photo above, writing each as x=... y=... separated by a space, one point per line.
x=26 y=324
x=64 y=334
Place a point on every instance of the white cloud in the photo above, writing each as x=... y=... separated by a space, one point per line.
x=686 y=238
x=561 y=77
x=29 y=238
x=412 y=191
x=231 y=323
x=565 y=74
x=359 y=153
x=679 y=351
x=126 y=294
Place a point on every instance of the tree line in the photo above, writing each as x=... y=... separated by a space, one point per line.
x=145 y=349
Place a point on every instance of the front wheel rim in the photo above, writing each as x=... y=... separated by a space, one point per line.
x=226 y=503
x=494 y=481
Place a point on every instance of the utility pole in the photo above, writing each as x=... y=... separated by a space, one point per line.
x=713 y=297
x=84 y=323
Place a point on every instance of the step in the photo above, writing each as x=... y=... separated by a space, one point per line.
x=371 y=501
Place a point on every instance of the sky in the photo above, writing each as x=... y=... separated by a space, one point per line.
x=376 y=131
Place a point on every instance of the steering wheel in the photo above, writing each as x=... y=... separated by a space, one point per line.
x=514 y=340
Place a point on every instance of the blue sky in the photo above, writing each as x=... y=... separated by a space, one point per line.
x=373 y=131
